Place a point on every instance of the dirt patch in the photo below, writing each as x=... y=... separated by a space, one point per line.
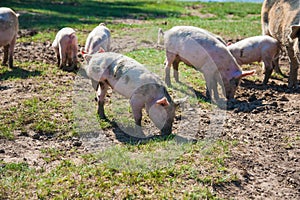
x=265 y=121
x=195 y=10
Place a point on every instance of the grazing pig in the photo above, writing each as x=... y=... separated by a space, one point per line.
x=201 y=49
x=9 y=26
x=132 y=80
x=281 y=20
x=256 y=49
x=66 y=47
x=98 y=39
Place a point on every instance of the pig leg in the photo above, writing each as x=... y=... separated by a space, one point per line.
x=175 y=69
x=170 y=59
x=268 y=69
x=57 y=56
x=211 y=87
x=69 y=58
x=63 y=57
x=5 y=57
x=276 y=67
x=293 y=67
x=137 y=105
x=74 y=58
x=101 y=92
x=11 y=52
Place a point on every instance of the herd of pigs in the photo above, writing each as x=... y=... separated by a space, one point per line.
x=208 y=53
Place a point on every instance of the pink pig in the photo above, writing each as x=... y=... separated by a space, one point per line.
x=256 y=49
x=201 y=49
x=132 y=80
x=98 y=40
x=66 y=47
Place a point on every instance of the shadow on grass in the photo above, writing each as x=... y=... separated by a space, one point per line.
x=126 y=138
x=17 y=72
x=52 y=13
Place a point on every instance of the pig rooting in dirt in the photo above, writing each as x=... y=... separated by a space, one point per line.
x=131 y=79
x=205 y=52
x=9 y=26
x=65 y=45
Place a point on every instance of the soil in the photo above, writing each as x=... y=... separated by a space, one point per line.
x=264 y=120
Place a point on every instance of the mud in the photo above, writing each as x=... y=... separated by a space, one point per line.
x=264 y=120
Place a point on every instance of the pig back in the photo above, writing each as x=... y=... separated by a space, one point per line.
x=193 y=44
x=9 y=25
x=65 y=36
x=99 y=37
x=125 y=75
x=202 y=50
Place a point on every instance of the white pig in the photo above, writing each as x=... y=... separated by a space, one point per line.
x=9 y=26
x=66 y=46
x=201 y=49
x=97 y=40
x=132 y=80
x=256 y=49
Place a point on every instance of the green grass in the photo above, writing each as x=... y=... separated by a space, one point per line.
x=159 y=169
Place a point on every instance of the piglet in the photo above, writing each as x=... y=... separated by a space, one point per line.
x=256 y=49
x=131 y=79
x=66 y=47
x=98 y=40
x=9 y=26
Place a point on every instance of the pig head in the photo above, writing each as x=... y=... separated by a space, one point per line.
x=281 y=20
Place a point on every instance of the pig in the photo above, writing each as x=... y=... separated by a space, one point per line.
x=281 y=20
x=131 y=79
x=256 y=49
x=97 y=40
x=201 y=49
x=9 y=26
x=65 y=45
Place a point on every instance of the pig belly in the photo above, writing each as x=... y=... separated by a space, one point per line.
x=194 y=55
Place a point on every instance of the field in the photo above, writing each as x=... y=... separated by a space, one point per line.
x=53 y=145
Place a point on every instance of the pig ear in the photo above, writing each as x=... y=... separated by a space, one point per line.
x=245 y=73
x=163 y=102
x=295 y=31
x=101 y=50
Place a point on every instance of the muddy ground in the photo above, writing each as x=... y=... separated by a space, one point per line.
x=265 y=120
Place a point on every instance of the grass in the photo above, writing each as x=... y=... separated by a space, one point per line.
x=159 y=169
